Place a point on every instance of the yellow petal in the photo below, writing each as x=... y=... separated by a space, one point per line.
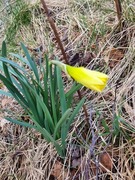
x=91 y=79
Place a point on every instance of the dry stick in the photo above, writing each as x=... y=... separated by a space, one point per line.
x=118 y=9
x=91 y=153
x=52 y=24
x=119 y=13
x=54 y=30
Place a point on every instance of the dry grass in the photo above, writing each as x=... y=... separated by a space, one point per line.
x=87 y=28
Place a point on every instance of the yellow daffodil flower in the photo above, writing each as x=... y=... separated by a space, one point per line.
x=91 y=79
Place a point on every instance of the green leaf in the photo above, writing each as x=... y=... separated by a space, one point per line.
x=52 y=95
x=6 y=72
x=30 y=93
x=51 y=139
x=4 y=49
x=19 y=57
x=70 y=93
x=31 y=62
x=46 y=112
x=46 y=93
x=25 y=124
x=63 y=104
x=4 y=54
x=68 y=124
x=73 y=89
x=1 y=66
x=43 y=131
x=13 y=90
x=12 y=63
x=5 y=93
x=59 y=124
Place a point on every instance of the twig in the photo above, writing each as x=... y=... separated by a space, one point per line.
x=54 y=30
x=92 y=146
x=119 y=14
x=92 y=151
x=118 y=9
x=52 y=24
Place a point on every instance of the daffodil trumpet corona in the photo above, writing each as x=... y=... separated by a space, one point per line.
x=89 y=78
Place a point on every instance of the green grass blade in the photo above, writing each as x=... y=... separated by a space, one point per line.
x=116 y=127
x=106 y=127
x=131 y=128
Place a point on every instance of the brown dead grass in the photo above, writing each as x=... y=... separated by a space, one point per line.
x=85 y=27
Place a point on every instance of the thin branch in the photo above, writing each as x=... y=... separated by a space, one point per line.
x=55 y=31
x=93 y=144
x=118 y=9
x=92 y=153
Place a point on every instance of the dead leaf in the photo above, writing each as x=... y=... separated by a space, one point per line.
x=58 y=171
x=116 y=54
x=113 y=56
x=6 y=101
x=106 y=161
x=74 y=59
x=1 y=85
x=88 y=57
x=76 y=162
x=129 y=110
x=3 y=122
